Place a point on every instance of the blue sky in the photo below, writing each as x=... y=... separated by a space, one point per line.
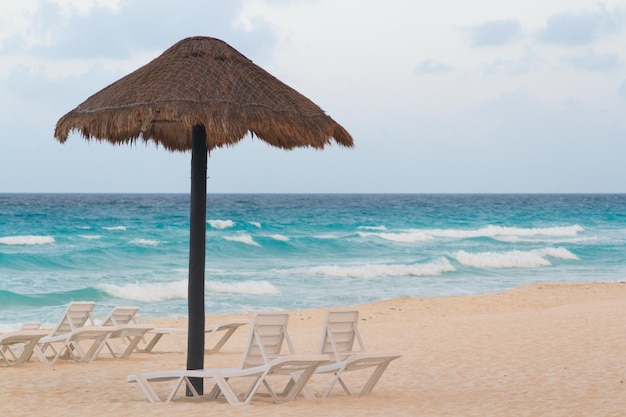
x=442 y=97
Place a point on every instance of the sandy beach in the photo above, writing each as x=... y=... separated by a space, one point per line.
x=538 y=350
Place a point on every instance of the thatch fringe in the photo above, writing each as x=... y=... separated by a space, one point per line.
x=202 y=81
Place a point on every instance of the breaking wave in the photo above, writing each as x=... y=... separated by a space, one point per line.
x=513 y=259
x=26 y=240
x=154 y=292
x=247 y=239
x=370 y=271
x=221 y=224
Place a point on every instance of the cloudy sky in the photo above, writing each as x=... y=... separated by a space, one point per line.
x=441 y=97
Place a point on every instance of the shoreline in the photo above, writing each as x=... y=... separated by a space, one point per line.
x=539 y=349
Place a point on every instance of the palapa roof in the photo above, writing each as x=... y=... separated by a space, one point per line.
x=202 y=80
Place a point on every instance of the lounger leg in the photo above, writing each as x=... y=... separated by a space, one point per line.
x=297 y=383
x=177 y=385
x=26 y=353
x=96 y=347
x=133 y=342
x=371 y=382
x=6 y=361
x=147 y=389
x=228 y=392
x=215 y=392
x=220 y=342
x=344 y=386
x=153 y=342
x=178 y=343
x=334 y=381
x=39 y=355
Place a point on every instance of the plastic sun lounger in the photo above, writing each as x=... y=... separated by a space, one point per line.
x=31 y=325
x=17 y=347
x=124 y=327
x=228 y=327
x=338 y=336
x=261 y=360
x=70 y=332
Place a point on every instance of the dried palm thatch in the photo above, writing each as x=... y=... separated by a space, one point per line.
x=202 y=81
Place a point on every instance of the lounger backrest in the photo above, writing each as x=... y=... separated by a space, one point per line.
x=121 y=315
x=268 y=335
x=78 y=314
x=339 y=334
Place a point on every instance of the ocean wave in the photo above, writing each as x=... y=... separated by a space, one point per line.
x=154 y=292
x=370 y=271
x=247 y=239
x=501 y=233
x=115 y=228
x=10 y=298
x=221 y=224
x=26 y=240
x=246 y=287
x=90 y=237
x=513 y=259
x=380 y=228
x=496 y=231
x=518 y=239
x=278 y=237
x=147 y=292
x=256 y=224
x=145 y=242
x=403 y=237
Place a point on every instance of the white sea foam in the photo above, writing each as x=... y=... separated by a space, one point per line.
x=560 y=253
x=115 y=228
x=513 y=259
x=370 y=271
x=539 y=239
x=257 y=224
x=496 y=231
x=380 y=228
x=145 y=242
x=282 y=238
x=91 y=237
x=246 y=287
x=154 y=292
x=247 y=239
x=26 y=240
x=221 y=224
x=403 y=237
x=148 y=292
x=502 y=233
x=327 y=236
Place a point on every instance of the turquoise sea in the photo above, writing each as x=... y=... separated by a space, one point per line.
x=295 y=251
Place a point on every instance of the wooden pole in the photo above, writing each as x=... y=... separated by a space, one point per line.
x=197 y=246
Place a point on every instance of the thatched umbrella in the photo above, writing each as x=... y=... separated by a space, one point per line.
x=199 y=95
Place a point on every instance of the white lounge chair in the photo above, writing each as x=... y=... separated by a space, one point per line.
x=124 y=327
x=262 y=359
x=227 y=327
x=31 y=325
x=338 y=337
x=17 y=347
x=75 y=326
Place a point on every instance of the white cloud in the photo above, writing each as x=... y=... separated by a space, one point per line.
x=495 y=32
x=591 y=61
x=579 y=28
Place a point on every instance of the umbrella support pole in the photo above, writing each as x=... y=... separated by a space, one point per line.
x=197 y=257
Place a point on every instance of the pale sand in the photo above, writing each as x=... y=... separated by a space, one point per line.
x=540 y=350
